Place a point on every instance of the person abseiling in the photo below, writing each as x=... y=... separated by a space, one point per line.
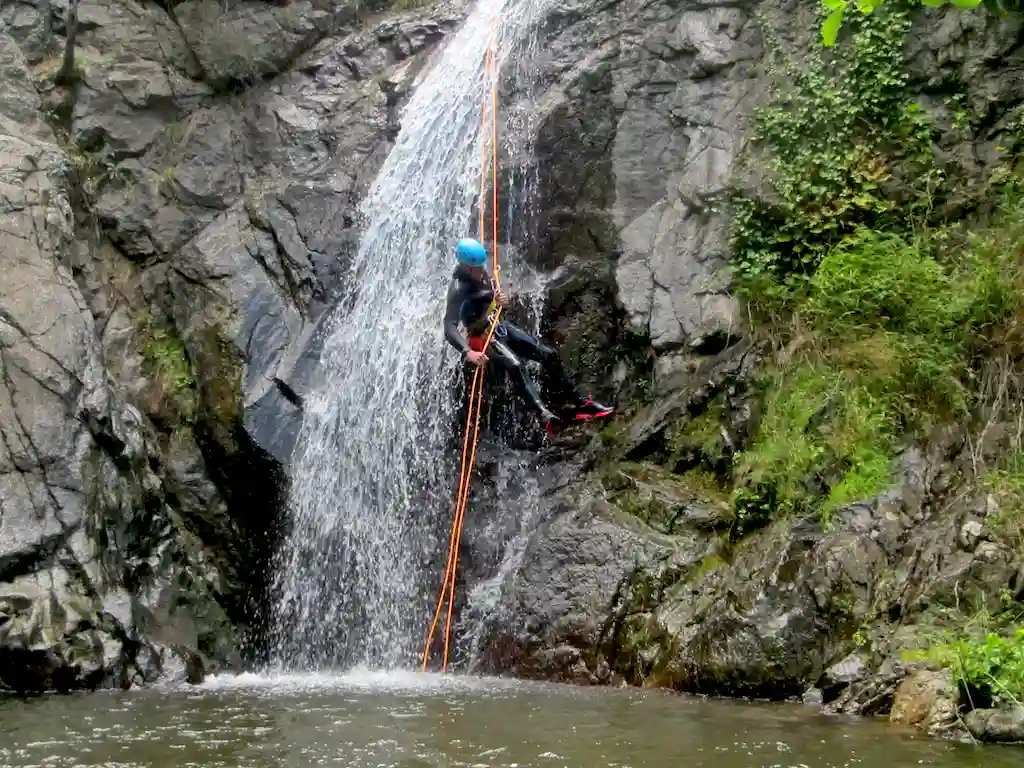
x=472 y=302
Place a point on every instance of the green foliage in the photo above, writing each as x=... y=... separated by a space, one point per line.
x=828 y=138
x=92 y=174
x=837 y=10
x=167 y=364
x=993 y=663
x=899 y=313
x=888 y=335
x=826 y=438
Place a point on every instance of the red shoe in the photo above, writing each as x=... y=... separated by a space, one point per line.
x=591 y=410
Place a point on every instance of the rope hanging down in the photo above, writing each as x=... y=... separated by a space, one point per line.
x=476 y=390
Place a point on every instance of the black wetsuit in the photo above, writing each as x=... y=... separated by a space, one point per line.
x=468 y=301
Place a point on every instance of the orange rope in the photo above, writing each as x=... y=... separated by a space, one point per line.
x=494 y=170
x=476 y=391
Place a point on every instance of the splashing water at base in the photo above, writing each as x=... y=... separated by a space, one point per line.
x=371 y=475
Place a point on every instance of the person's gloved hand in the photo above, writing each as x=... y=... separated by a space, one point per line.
x=476 y=358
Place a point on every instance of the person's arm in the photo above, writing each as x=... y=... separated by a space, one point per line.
x=456 y=295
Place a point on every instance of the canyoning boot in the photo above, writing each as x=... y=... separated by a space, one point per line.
x=550 y=421
x=591 y=409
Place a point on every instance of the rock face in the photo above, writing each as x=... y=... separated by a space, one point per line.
x=99 y=573
x=175 y=220
x=998 y=725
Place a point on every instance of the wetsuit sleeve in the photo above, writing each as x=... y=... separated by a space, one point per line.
x=456 y=295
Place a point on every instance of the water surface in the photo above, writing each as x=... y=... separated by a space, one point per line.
x=402 y=720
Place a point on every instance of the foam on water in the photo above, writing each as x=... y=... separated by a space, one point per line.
x=359 y=679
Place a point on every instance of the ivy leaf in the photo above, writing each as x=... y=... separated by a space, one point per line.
x=966 y=3
x=830 y=29
x=934 y=3
x=833 y=4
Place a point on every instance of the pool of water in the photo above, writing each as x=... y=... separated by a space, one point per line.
x=392 y=720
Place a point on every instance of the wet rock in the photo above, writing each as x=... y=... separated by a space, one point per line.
x=926 y=699
x=635 y=143
x=96 y=562
x=249 y=41
x=812 y=697
x=842 y=675
x=555 y=607
x=133 y=66
x=244 y=209
x=704 y=517
x=996 y=725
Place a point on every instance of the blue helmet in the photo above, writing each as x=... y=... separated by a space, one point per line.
x=470 y=252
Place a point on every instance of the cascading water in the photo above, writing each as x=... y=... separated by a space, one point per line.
x=372 y=471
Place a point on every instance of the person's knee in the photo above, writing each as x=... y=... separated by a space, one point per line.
x=548 y=355
x=515 y=367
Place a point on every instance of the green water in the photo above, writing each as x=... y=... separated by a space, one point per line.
x=390 y=720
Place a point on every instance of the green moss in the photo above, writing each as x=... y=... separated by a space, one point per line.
x=658 y=496
x=167 y=365
x=648 y=508
x=699 y=441
x=704 y=486
x=709 y=564
x=614 y=436
x=220 y=385
x=824 y=437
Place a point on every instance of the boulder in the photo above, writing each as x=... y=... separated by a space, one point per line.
x=928 y=700
x=996 y=725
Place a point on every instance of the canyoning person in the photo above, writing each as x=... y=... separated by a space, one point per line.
x=472 y=302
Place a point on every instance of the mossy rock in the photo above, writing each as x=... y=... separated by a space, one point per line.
x=666 y=501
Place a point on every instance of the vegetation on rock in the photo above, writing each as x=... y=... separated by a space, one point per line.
x=881 y=320
x=837 y=10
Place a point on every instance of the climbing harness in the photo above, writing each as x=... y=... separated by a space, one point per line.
x=476 y=390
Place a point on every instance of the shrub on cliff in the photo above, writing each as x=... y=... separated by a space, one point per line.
x=881 y=319
x=889 y=335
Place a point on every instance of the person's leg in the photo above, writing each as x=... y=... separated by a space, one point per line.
x=500 y=353
x=576 y=406
x=529 y=348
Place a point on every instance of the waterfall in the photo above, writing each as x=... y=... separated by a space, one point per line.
x=373 y=473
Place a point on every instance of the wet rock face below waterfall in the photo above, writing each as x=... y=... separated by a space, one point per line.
x=175 y=220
